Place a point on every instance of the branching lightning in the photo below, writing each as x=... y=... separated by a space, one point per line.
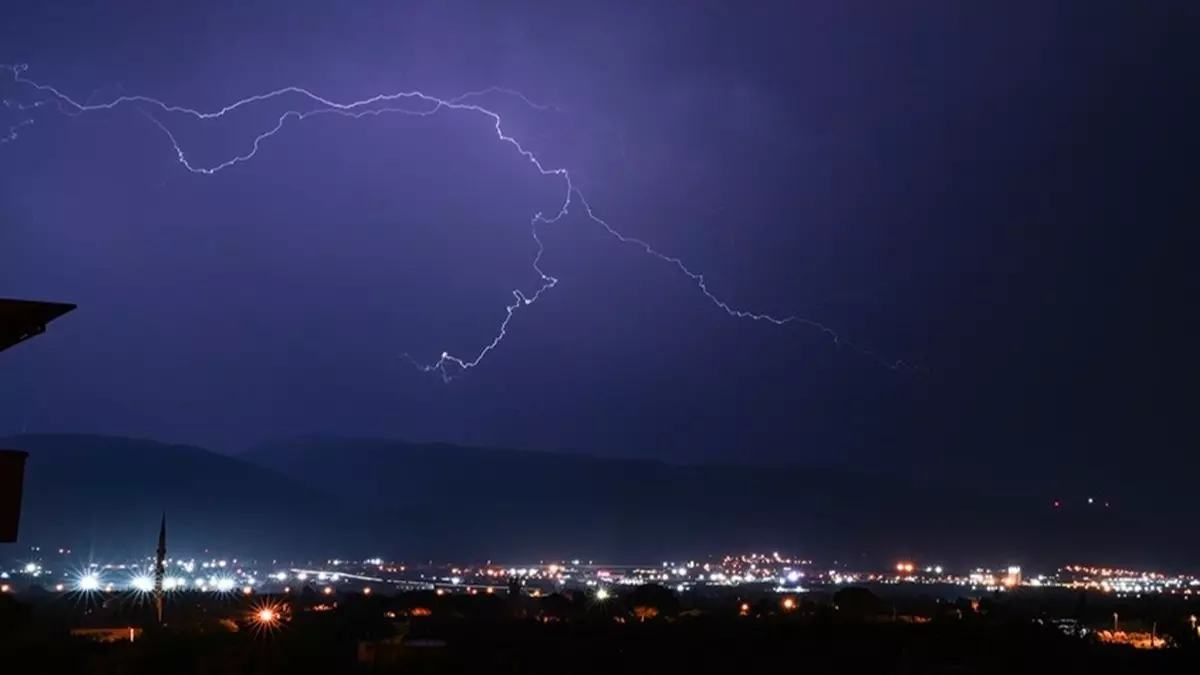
x=414 y=103
x=14 y=130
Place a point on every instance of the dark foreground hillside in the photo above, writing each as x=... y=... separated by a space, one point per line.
x=641 y=631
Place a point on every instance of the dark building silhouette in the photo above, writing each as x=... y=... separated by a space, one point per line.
x=12 y=478
x=20 y=320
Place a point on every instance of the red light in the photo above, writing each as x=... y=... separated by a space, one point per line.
x=1056 y=504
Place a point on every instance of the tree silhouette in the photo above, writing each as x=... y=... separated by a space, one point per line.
x=651 y=600
x=857 y=602
x=556 y=606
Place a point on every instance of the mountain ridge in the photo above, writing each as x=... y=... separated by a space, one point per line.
x=109 y=493
x=651 y=506
x=321 y=496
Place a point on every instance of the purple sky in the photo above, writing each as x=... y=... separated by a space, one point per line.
x=993 y=192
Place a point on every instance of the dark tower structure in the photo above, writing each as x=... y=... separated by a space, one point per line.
x=19 y=321
x=160 y=568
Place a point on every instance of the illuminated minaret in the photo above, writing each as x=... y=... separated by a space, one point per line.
x=160 y=568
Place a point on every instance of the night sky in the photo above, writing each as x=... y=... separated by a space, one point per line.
x=1000 y=194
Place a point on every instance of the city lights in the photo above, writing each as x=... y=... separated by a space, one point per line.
x=768 y=573
x=266 y=617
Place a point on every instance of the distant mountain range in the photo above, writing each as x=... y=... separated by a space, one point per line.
x=107 y=494
x=342 y=496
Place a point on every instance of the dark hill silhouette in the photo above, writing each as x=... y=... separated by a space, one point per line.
x=108 y=494
x=506 y=503
x=346 y=497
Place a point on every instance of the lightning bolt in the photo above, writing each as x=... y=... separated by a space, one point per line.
x=14 y=130
x=419 y=104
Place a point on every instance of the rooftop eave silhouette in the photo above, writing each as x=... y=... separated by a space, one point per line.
x=21 y=320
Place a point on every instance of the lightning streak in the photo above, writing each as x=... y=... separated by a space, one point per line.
x=14 y=130
x=414 y=103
